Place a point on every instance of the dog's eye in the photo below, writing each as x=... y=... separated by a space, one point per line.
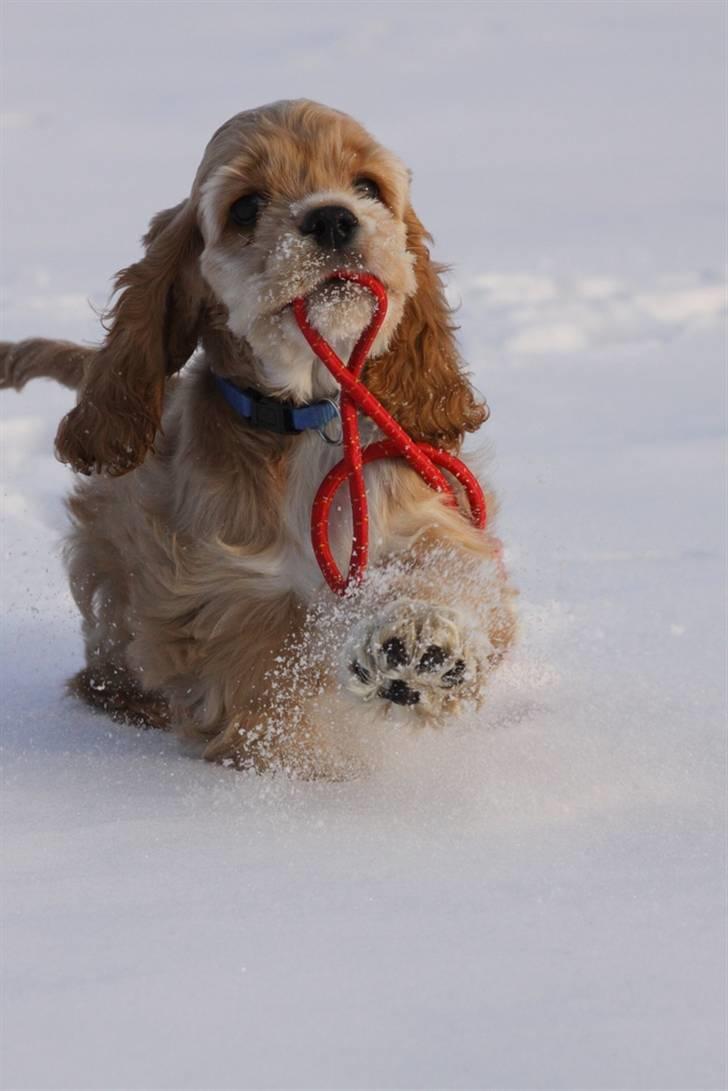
x=246 y=209
x=366 y=187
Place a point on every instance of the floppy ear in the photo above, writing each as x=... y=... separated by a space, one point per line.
x=420 y=378
x=152 y=331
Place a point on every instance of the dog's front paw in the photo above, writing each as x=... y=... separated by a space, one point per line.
x=414 y=655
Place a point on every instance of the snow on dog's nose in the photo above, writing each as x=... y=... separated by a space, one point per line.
x=332 y=226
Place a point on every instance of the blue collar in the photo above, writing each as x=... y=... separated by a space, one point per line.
x=271 y=413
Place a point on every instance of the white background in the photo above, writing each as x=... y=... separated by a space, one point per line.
x=534 y=900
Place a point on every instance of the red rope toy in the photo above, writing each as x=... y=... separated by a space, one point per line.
x=354 y=395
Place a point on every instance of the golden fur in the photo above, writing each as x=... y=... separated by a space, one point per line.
x=201 y=602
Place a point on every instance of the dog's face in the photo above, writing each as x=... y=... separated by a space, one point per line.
x=305 y=191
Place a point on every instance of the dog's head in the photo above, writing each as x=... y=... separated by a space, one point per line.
x=285 y=195
x=302 y=191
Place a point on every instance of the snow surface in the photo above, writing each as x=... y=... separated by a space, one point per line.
x=535 y=900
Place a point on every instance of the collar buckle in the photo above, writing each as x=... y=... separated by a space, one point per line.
x=272 y=415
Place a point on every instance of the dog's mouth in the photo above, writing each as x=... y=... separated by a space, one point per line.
x=340 y=310
x=334 y=294
x=333 y=300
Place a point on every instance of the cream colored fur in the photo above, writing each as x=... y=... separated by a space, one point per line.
x=202 y=604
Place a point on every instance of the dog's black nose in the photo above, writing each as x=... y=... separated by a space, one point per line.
x=332 y=226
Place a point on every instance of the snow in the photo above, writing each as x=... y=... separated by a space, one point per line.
x=535 y=900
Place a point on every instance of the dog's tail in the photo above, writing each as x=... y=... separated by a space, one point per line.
x=37 y=358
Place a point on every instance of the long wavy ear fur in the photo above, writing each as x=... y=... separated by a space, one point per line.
x=420 y=379
x=152 y=331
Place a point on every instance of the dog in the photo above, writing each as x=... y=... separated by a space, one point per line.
x=189 y=553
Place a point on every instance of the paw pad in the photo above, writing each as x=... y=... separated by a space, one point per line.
x=395 y=651
x=399 y=693
x=414 y=655
x=432 y=658
x=455 y=675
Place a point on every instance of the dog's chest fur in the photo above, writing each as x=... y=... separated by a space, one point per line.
x=310 y=462
x=258 y=500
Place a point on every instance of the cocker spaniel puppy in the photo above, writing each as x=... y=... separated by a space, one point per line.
x=189 y=555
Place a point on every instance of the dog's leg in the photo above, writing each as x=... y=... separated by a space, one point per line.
x=99 y=584
x=434 y=622
x=114 y=690
x=300 y=726
x=310 y=745
x=231 y=668
x=288 y=710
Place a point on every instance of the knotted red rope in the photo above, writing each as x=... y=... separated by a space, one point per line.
x=354 y=395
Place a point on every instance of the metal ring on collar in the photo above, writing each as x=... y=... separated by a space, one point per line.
x=336 y=441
